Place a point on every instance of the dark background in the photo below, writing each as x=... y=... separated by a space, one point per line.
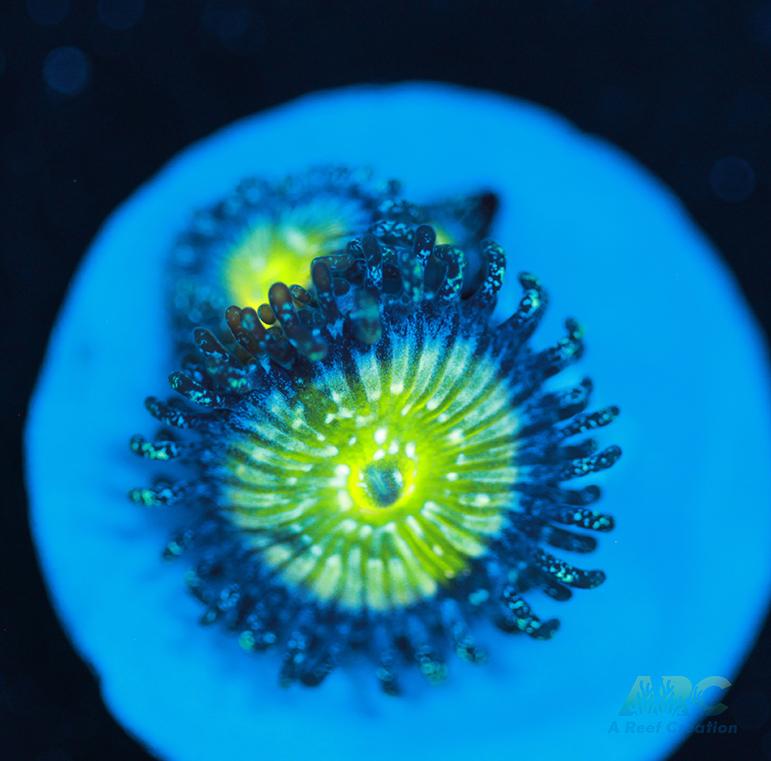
x=95 y=96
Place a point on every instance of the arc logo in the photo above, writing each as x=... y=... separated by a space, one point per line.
x=675 y=695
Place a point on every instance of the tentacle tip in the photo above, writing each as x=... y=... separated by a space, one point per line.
x=595 y=579
x=176 y=380
x=546 y=630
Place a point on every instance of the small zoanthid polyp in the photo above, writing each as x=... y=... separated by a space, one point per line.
x=270 y=230
x=373 y=465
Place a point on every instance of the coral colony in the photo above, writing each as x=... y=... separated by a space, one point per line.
x=371 y=464
x=365 y=467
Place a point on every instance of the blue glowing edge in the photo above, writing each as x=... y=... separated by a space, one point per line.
x=669 y=339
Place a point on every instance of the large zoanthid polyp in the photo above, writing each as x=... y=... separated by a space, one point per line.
x=382 y=466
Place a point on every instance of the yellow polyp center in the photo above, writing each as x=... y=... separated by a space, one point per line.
x=280 y=247
x=376 y=485
x=271 y=253
x=443 y=237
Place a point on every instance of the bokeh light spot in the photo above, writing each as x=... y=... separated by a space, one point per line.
x=759 y=24
x=121 y=15
x=238 y=29
x=732 y=179
x=66 y=70
x=48 y=12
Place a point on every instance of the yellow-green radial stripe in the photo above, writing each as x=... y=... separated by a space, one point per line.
x=377 y=487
